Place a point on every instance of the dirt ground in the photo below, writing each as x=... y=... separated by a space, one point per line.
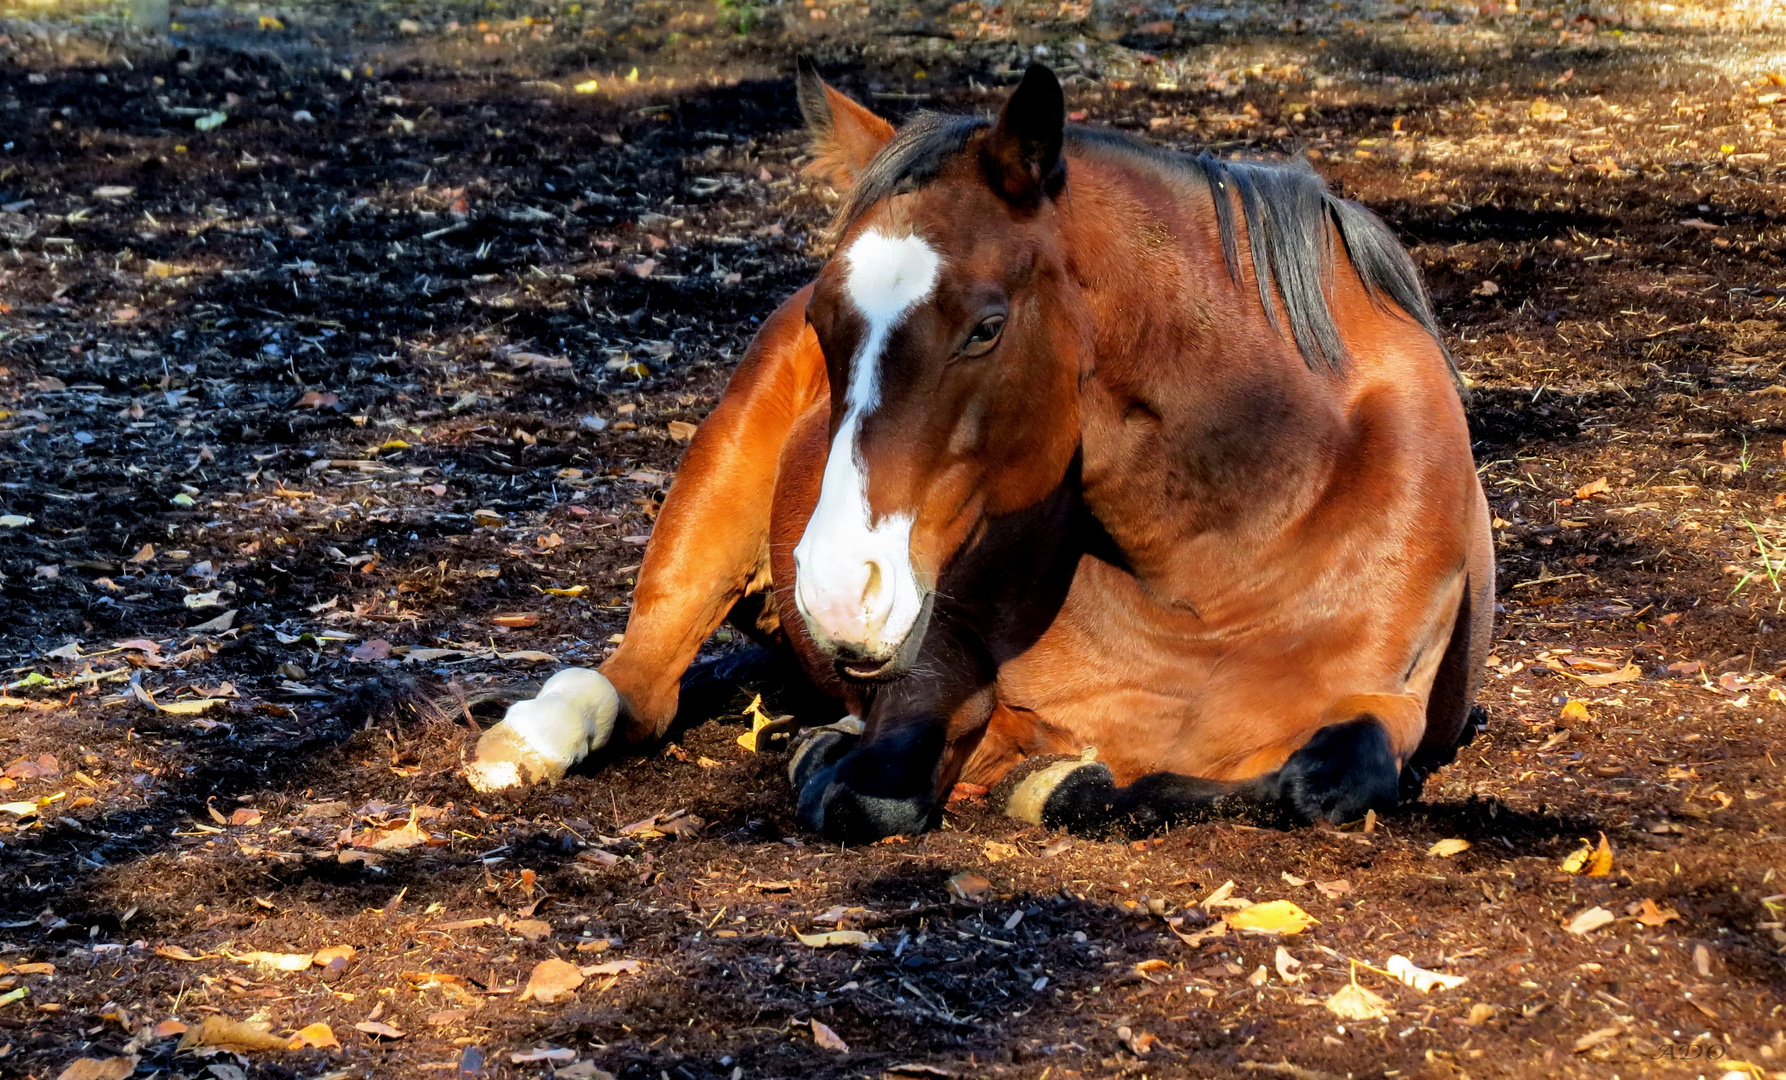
x=345 y=346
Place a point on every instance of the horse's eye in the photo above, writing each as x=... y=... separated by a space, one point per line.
x=984 y=336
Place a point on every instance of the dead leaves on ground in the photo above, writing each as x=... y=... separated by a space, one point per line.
x=225 y=1033
x=113 y=1068
x=555 y=980
x=1590 y=861
x=552 y=981
x=825 y=1038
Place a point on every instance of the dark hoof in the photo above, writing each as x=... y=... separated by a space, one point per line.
x=856 y=795
x=1067 y=794
x=1344 y=771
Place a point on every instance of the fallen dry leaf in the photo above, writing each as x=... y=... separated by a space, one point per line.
x=1445 y=849
x=1354 y=1002
x=377 y=1029
x=613 y=967
x=1223 y=897
x=271 y=961
x=681 y=430
x=1209 y=933
x=1272 y=917
x=112 y=1068
x=319 y=1036
x=524 y=618
x=1590 y=920
x=1333 y=889
x=828 y=1039
x=555 y=1055
x=552 y=981
x=1629 y=673
x=969 y=886
x=833 y=938
x=1595 y=1038
x=1420 y=978
x=1139 y=1043
x=1574 y=709
x=1650 y=915
x=1590 y=860
x=175 y=952
x=224 y=1033
x=531 y=929
x=758 y=721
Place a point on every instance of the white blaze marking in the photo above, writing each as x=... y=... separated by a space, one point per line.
x=855 y=581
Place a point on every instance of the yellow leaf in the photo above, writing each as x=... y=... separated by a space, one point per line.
x=833 y=938
x=193 y=707
x=1574 y=709
x=1578 y=859
x=587 y=86
x=394 y=444
x=1598 y=487
x=1444 y=849
x=1354 y=1002
x=1272 y=917
x=1601 y=864
x=758 y=721
x=320 y=1036
x=574 y=590
x=271 y=22
x=276 y=961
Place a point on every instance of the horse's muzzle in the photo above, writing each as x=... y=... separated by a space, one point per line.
x=857 y=664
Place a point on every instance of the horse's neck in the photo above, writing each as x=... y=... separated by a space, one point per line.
x=1204 y=432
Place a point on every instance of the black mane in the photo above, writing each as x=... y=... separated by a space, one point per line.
x=1284 y=207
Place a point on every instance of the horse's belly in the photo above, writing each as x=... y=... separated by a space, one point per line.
x=1174 y=693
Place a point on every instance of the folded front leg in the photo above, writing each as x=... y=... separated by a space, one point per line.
x=918 y=732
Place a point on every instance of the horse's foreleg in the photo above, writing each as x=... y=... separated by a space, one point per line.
x=917 y=735
x=1349 y=765
x=709 y=549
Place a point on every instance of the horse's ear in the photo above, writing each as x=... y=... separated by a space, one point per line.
x=1022 y=154
x=845 y=135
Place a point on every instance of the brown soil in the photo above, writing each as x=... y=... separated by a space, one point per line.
x=332 y=361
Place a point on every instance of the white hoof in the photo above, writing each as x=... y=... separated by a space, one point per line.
x=541 y=738
x=1031 y=796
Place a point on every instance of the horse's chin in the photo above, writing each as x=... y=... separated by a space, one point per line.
x=870 y=671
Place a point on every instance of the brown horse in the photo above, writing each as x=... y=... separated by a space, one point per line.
x=1075 y=444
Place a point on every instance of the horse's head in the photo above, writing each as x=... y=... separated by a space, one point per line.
x=953 y=359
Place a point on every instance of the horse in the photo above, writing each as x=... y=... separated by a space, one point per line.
x=1080 y=449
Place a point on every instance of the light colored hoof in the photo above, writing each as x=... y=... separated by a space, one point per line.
x=540 y=739
x=1031 y=797
x=505 y=759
